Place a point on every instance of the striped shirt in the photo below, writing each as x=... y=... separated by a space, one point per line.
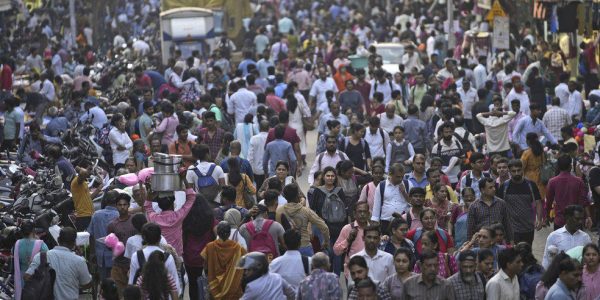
x=480 y=214
x=465 y=290
x=415 y=288
x=170 y=280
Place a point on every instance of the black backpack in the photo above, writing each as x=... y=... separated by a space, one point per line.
x=464 y=141
x=141 y=261
x=41 y=284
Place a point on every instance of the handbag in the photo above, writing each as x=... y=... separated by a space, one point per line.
x=307 y=122
x=249 y=198
x=548 y=169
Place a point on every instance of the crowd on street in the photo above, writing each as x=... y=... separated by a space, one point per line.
x=431 y=173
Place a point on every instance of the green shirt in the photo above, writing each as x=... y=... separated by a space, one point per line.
x=217 y=112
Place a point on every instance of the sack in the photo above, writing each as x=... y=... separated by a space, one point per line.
x=262 y=241
x=334 y=209
x=548 y=170
x=206 y=185
x=41 y=284
x=249 y=198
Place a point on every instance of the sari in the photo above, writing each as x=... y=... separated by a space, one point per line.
x=224 y=279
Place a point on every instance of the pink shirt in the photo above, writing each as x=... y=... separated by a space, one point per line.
x=167 y=128
x=170 y=221
x=341 y=245
x=368 y=194
x=591 y=281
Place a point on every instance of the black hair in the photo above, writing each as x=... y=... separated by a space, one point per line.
x=409 y=254
x=109 y=290
x=484 y=254
x=291 y=192
x=235 y=174
x=564 y=163
x=138 y=220
x=534 y=144
x=132 y=292
x=369 y=228
x=483 y=182
x=200 y=218
x=428 y=254
x=274 y=184
x=155 y=276
x=228 y=193
x=151 y=233
x=507 y=256
x=358 y=260
x=571 y=209
x=292 y=239
x=551 y=274
x=327 y=170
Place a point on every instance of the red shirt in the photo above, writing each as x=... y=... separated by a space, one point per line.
x=564 y=190
x=144 y=82
x=275 y=103
x=364 y=88
x=6 y=78
x=443 y=246
x=290 y=135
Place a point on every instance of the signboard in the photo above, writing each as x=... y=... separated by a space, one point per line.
x=500 y=37
x=496 y=11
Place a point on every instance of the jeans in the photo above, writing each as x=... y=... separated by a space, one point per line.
x=307 y=251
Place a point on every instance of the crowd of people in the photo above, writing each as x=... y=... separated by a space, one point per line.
x=429 y=182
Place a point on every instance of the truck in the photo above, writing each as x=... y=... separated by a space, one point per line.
x=188 y=29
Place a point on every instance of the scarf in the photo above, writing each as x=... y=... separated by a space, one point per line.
x=224 y=279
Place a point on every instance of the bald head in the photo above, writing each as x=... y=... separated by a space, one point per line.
x=390 y=110
x=320 y=261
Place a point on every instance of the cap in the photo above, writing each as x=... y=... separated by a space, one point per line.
x=467 y=255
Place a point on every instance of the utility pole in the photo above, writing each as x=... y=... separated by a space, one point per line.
x=73 y=22
x=450 y=13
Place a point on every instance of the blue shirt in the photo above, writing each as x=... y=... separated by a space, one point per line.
x=97 y=115
x=280 y=89
x=245 y=166
x=244 y=66
x=412 y=181
x=525 y=125
x=56 y=126
x=275 y=151
x=559 y=291
x=98 y=229
x=157 y=79
x=415 y=131
x=460 y=231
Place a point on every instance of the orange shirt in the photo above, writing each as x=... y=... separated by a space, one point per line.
x=179 y=148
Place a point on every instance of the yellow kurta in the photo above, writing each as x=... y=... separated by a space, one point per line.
x=531 y=170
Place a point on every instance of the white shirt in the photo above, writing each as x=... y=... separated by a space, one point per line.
x=57 y=64
x=240 y=103
x=270 y=286
x=48 y=90
x=380 y=266
x=385 y=88
x=170 y=264
x=290 y=267
x=326 y=161
x=388 y=124
x=134 y=243
x=203 y=167
x=411 y=62
x=522 y=97
x=496 y=131
x=468 y=99
x=236 y=236
x=564 y=241
x=562 y=92
x=98 y=117
x=118 y=138
x=480 y=76
x=376 y=142
x=575 y=104
x=393 y=201
x=501 y=287
x=256 y=152
x=319 y=87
